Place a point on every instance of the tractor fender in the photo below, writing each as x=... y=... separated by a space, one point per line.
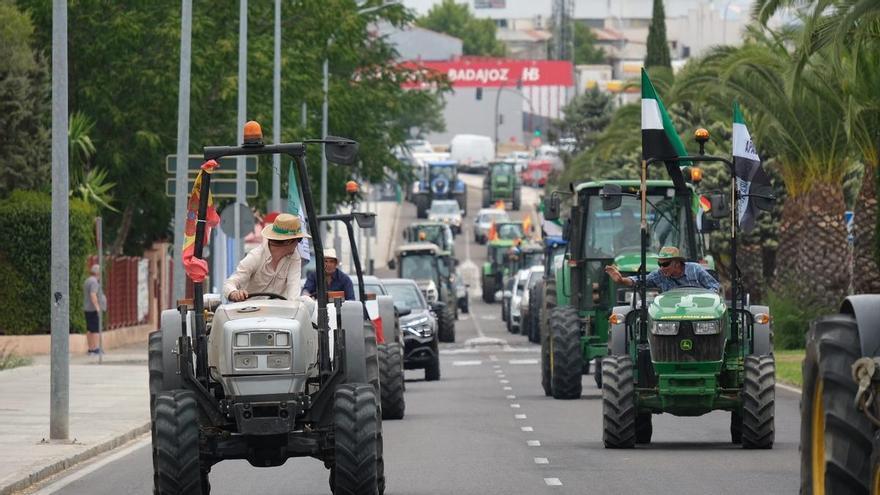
x=171 y=332
x=763 y=340
x=386 y=313
x=355 y=353
x=617 y=332
x=865 y=308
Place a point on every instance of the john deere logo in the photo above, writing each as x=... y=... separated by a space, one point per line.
x=686 y=344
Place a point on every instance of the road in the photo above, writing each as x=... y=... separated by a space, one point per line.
x=486 y=428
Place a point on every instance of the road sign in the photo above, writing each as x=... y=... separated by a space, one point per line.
x=246 y=220
x=220 y=188
x=227 y=164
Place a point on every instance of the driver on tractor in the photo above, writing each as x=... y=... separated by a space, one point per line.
x=336 y=280
x=273 y=266
x=674 y=272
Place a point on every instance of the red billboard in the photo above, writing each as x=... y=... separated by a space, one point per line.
x=497 y=72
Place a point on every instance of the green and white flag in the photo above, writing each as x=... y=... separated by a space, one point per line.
x=659 y=139
x=294 y=207
x=750 y=176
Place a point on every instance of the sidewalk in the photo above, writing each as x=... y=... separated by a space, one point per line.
x=109 y=405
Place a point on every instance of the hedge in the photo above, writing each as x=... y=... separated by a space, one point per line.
x=25 y=271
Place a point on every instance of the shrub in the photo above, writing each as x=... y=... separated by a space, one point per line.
x=25 y=254
x=791 y=320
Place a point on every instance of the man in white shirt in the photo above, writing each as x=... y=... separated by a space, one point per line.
x=274 y=266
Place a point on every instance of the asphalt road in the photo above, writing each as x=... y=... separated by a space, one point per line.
x=486 y=428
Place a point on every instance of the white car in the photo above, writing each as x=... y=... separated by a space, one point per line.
x=447 y=211
x=483 y=222
x=513 y=321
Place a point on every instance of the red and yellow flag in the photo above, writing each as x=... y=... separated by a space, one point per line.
x=197 y=268
x=527 y=224
x=493 y=232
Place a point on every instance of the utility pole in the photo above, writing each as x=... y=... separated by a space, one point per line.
x=180 y=173
x=59 y=394
x=240 y=163
x=276 y=112
x=99 y=237
x=324 y=111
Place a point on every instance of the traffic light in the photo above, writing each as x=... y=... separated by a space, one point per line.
x=479 y=93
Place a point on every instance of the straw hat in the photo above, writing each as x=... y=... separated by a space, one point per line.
x=285 y=227
x=670 y=253
x=330 y=253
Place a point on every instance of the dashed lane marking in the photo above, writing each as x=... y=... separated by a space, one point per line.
x=493 y=358
x=511 y=397
x=519 y=416
x=507 y=388
x=514 y=406
x=502 y=375
x=541 y=460
x=552 y=482
x=467 y=363
x=496 y=366
x=527 y=428
x=523 y=361
x=503 y=381
x=533 y=443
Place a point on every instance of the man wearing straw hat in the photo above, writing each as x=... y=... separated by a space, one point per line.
x=337 y=280
x=273 y=266
x=674 y=272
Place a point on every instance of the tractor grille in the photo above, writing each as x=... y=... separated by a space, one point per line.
x=668 y=348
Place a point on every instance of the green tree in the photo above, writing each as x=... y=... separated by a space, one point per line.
x=585 y=117
x=455 y=19
x=585 y=49
x=658 y=48
x=24 y=105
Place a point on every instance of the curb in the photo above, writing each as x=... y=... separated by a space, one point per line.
x=66 y=463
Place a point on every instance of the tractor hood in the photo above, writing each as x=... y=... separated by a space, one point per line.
x=687 y=304
x=629 y=262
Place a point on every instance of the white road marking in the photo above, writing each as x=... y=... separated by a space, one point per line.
x=488 y=317
x=467 y=363
x=511 y=397
x=496 y=366
x=541 y=460
x=507 y=388
x=502 y=375
x=503 y=381
x=480 y=348
x=533 y=443
x=499 y=371
x=552 y=482
x=61 y=483
x=519 y=416
x=527 y=428
x=789 y=388
x=523 y=361
x=514 y=406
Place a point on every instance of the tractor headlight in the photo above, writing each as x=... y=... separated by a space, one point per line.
x=711 y=327
x=278 y=360
x=665 y=328
x=245 y=360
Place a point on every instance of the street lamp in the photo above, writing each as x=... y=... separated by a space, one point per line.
x=324 y=110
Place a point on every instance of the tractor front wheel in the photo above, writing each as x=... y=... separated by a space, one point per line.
x=176 y=427
x=447 y=324
x=488 y=286
x=759 y=397
x=565 y=346
x=618 y=403
x=356 y=439
x=835 y=437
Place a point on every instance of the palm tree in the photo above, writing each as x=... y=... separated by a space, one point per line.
x=90 y=184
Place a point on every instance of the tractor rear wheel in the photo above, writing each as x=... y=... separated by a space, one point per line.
x=835 y=437
x=618 y=403
x=356 y=439
x=535 y=294
x=371 y=350
x=644 y=428
x=176 y=428
x=565 y=346
x=548 y=302
x=488 y=286
x=391 y=377
x=447 y=324
x=759 y=397
x=597 y=372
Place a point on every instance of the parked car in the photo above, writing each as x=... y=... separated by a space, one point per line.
x=473 y=152
x=514 y=319
x=483 y=222
x=418 y=325
x=447 y=211
x=535 y=273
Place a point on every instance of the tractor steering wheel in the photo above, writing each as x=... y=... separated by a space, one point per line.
x=270 y=295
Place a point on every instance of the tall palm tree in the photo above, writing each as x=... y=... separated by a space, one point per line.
x=90 y=184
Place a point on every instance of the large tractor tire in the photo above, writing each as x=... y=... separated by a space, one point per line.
x=446 y=324
x=422 y=202
x=488 y=286
x=432 y=369
x=548 y=302
x=535 y=297
x=157 y=371
x=565 y=347
x=178 y=470
x=618 y=403
x=371 y=353
x=759 y=402
x=356 y=440
x=835 y=437
x=392 y=379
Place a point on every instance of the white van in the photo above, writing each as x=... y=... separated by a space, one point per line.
x=472 y=152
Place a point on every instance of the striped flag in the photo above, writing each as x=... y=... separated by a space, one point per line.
x=659 y=139
x=294 y=207
x=749 y=173
x=197 y=268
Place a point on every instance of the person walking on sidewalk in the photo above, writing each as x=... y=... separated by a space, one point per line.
x=91 y=305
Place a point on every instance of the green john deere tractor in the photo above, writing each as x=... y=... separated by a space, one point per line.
x=424 y=263
x=502 y=184
x=495 y=268
x=437 y=233
x=685 y=351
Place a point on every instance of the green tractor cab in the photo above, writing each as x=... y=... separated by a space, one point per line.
x=494 y=268
x=437 y=233
x=685 y=351
x=427 y=265
x=502 y=184
x=510 y=230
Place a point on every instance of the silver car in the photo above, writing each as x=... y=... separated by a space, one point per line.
x=447 y=211
x=513 y=321
x=535 y=274
x=483 y=222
